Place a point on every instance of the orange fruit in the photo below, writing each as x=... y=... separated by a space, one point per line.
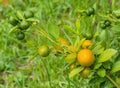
x=63 y=41
x=85 y=73
x=85 y=57
x=86 y=44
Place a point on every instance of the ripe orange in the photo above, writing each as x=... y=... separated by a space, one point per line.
x=63 y=41
x=86 y=43
x=85 y=57
x=85 y=73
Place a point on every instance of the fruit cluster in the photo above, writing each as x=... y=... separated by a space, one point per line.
x=83 y=56
x=20 y=21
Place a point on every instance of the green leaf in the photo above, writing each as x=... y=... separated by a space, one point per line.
x=53 y=29
x=101 y=72
x=78 y=24
x=118 y=80
x=80 y=43
x=96 y=66
x=69 y=28
x=116 y=28
x=98 y=49
x=20 y=15
x=102 y=35
x=12 y=29
x=96 y=80
x=116 y=67
x=107 y=65
x=116 y=12
x=95 y=34
x=75 y=71
x=106 y=55
x=71 y=57
x=32 y=20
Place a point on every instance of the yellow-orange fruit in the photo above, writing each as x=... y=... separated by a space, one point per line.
x=85 y=73
x=63 y=41
x=85 y=57
x=86 y=44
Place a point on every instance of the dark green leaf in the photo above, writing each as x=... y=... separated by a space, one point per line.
x=96 y=80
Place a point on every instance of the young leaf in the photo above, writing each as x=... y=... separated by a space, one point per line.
x=69 y=28
x=116 y=28
x=102 y=35
x=80 y=43
x=71 y=57
x=75 y=71
x=101 y=72
x=13 y=29
x=20 y=15
x=32 y=20
x=53 y=29
x=78 y=24
x=97 y=65
x=116 y=13
x=98 y=49
x=106 y=55
x=116 y=67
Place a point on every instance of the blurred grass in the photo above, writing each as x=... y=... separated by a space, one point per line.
x=25 y=69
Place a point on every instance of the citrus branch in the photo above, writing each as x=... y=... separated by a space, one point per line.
x=107 y=76
x=46 y=35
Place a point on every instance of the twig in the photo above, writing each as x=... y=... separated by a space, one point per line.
x=117 y=86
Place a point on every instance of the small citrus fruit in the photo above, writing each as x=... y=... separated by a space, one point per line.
x=102 y=25
x=107 y=23
x=90 y=11
x=13 y=21
x=86 y=44
x=43 y=50
x=85 y=73
x=85 y=57
x=63 y=41
x=24 y=25
x=20 y=35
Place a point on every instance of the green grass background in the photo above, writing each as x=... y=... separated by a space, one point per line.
x=23 y=67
